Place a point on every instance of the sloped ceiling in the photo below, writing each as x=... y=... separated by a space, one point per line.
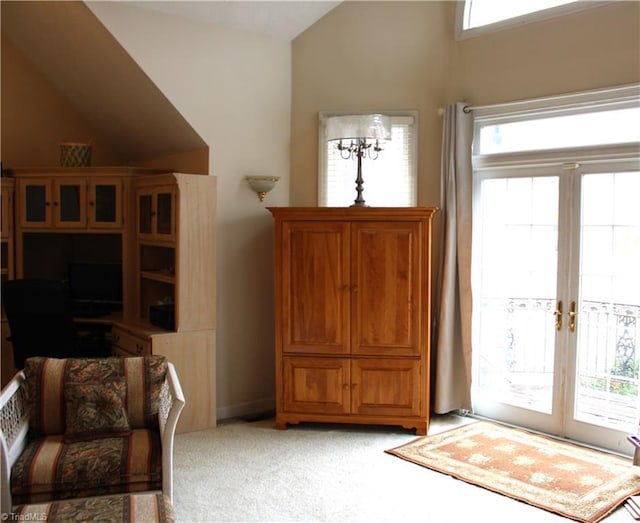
x=283 y=20
x=82 y=60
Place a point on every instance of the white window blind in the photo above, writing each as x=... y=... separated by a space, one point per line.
x=389 y=181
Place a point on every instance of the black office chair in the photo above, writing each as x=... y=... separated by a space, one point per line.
x=40 y=319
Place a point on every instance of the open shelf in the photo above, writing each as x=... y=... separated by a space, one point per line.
x=163 y=275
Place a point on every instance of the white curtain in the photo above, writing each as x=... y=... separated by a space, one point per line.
x=453 y=309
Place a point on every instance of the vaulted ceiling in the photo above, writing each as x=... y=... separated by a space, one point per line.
x=83 y=61
x=283 y=20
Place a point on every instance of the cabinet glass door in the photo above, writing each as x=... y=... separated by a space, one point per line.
x=164 y=214
x=69 y=205
x=6 y=224
x=36 y=205
x=145 y=209
x=105 y=204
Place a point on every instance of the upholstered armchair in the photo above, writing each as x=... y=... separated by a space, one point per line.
x=75 y=428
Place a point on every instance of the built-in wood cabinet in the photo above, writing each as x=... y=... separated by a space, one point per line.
x=7 y=261
x=193 y=354
x=176 y=256
x=352 y=315
x=161 y=227
x=175 y=271
x=156 y=213
x=127 y=343
x=70 y=201
x=6 y=228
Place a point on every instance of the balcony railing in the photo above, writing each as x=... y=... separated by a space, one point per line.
x=522 y=352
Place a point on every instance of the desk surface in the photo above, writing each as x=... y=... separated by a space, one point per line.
x=108 y=319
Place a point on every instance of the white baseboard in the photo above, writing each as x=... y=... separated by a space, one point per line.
x=245 y=409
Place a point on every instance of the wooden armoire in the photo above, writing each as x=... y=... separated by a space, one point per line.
x=352 y=312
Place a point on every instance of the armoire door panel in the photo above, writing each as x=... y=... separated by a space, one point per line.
x=385 y=387
x=318 y=385
x=315 y=287
x=386 y=279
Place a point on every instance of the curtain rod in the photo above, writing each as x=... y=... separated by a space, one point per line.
x=620 y=92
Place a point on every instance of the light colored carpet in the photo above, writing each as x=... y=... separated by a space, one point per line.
x=251 y=472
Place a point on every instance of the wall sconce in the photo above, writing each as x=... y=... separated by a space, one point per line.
x=362 y=134
x=261 y=185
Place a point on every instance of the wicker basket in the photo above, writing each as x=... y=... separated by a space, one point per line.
x=75 y=154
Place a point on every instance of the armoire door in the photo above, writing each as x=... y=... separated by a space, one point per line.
x=386 y=282
x=315 y=287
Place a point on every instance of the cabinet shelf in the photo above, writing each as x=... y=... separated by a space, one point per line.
x=165 y=276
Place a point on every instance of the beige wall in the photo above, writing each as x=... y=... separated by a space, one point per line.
x=36 y=118
x=403 y=55
x=594 y=48
x=234 y=89
x=370 y=56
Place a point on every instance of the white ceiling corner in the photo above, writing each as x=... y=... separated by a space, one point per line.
x=278 y=19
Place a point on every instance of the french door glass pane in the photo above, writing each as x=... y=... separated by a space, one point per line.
x=517 y=291
x=609 y=308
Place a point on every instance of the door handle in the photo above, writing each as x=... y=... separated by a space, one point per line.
x=573 y=317
x=558 y=315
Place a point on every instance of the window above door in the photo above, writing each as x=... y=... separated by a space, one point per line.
x=476 y=17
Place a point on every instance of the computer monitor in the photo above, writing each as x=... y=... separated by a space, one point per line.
x=96 y=284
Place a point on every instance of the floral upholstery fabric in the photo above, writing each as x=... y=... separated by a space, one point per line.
x=51 y=469
x=96 y=410
x=47 y=379
x=135 y=508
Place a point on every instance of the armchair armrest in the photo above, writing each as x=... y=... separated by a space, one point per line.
x=171 y=405
x=14 y=422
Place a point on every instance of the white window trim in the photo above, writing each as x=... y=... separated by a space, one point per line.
x=538 y=16
x=616 y=97
x=322 y=157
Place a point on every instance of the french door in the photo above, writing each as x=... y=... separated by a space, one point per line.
x=557 y=299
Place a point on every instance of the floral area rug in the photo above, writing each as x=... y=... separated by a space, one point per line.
x=570 y=480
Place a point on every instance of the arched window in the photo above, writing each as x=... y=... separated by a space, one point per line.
x=476 y=17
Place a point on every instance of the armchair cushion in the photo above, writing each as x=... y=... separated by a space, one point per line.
x=50 y=469
x=123 y=508
x=48 y=378
x=96 y=410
